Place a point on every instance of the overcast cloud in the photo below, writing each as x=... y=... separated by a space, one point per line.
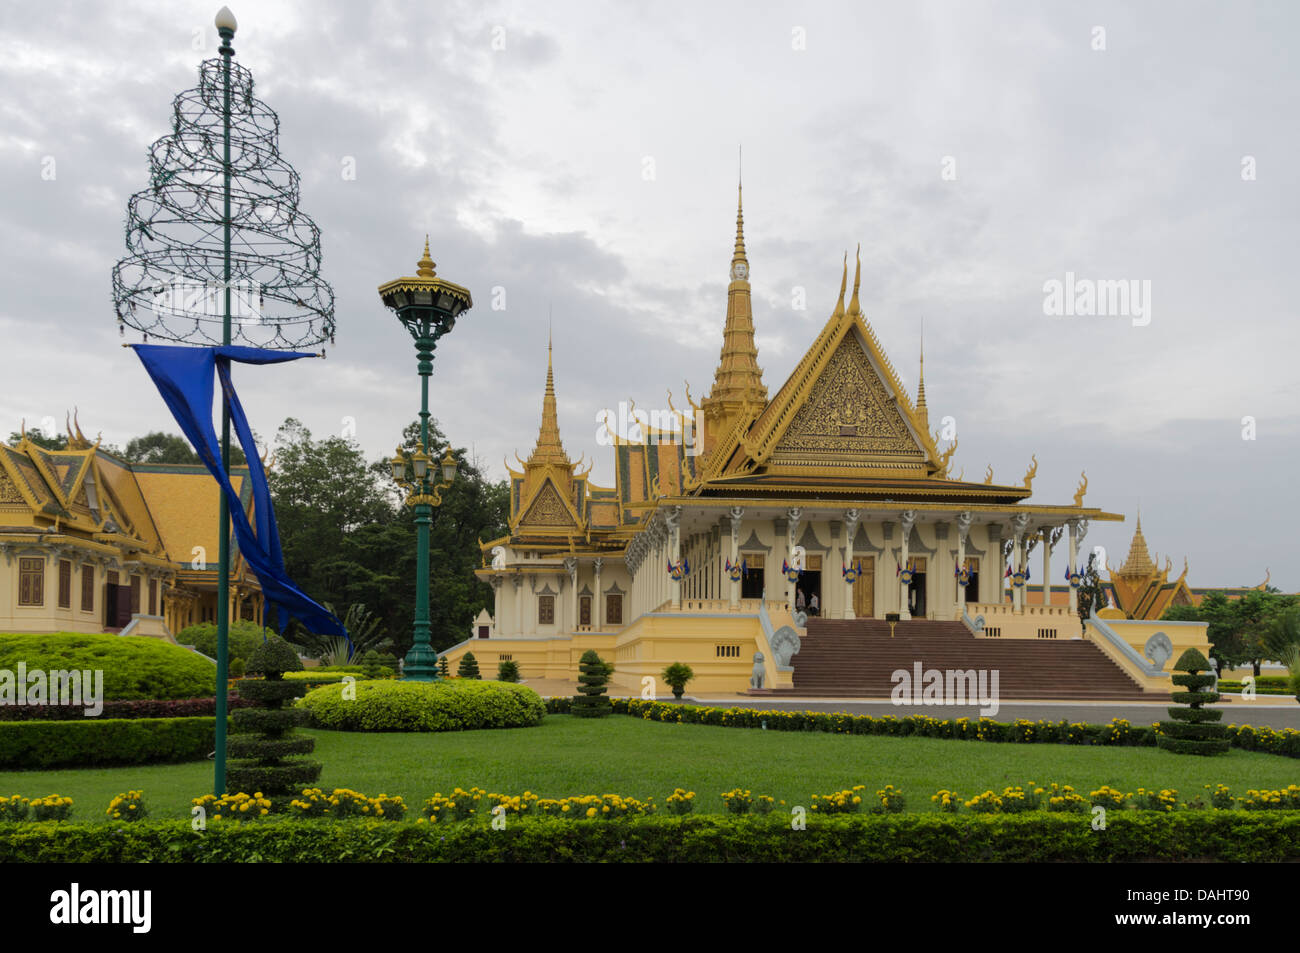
x=526 y=165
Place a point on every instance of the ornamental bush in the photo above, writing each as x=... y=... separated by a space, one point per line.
x=468 y=667
x=134 y=666
x=264 y=749
x=1194 y=730
x=593 y=676
x=676 y=676
x=36 y=745
x=135 y=708
x=128 y=807
x=508 y=671
x=242 y=638
x=444 y=667
x=456 y=705
x=14 y=808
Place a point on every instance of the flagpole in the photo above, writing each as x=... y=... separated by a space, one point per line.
x=227 y=31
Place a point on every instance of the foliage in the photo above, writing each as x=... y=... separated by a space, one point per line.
x=1194 y=729
x=1245 y=630
x=444 y=667
x=14 y=808
x=508 y=671
x=52 y=807
x=593 y=675
x=347 y=536
x=128 y=807
x=265 y=749
x=1118 y=732
x=1291 y=659
x=680 y=801
x=468 y=667
x=1092 y=594
x=344 y=802
x=136 y=708
x=99 y=741
x=1229 y=836
x=234 y=806
x=134 y=666
x=365 y=630
x=241 y=639
x=456 y=705
x=676 y=676
x=236 y=668
x=159 y=447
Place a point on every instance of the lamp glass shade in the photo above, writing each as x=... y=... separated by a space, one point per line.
x=421 y=463
x=449 y=467
x=225 y=20
x=399 y=469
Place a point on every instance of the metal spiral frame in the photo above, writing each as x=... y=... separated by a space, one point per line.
x=170 y=285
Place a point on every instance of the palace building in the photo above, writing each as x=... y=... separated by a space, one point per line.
x=92 y=543
x=729 y=518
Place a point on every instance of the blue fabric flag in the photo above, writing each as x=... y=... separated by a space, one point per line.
x=184 y=377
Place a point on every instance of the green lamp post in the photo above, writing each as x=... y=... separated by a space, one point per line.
x=428 y=307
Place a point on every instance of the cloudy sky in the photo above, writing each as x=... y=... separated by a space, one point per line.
x=576 y=164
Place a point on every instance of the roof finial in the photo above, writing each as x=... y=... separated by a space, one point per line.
x=844 y=283
x=425 y=264
x=920 y=386
x=739 y=254
x=857 y=280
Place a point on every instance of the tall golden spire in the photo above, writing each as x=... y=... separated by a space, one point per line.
x=922 y=410
x=1139 y=562
x=738 y=378
x=549 y=449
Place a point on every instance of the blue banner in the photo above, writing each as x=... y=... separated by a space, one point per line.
x=184 y=377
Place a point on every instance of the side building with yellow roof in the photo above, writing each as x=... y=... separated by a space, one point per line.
x=92 y=543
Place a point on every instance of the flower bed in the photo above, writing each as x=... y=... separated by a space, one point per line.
x=1233 y=836
x=1119 y=731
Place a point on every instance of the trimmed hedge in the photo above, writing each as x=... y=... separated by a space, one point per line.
x=1234 y=836
x=134 y=666
x=458 y=705
x=1283 y=741
x=31 y=745
x=242 y=639
x=138 y=708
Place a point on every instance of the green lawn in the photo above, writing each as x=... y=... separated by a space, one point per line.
x=618 y=754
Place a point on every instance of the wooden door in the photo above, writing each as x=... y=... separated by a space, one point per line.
x=864 y=590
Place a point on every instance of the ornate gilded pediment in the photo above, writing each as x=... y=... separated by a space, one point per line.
x=547 y=509
x=848 y=413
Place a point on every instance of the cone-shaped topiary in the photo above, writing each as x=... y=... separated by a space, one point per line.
x=264 y=743
x=593 y=676
x=1194 y=730
x=444 y=667
x=468 y=667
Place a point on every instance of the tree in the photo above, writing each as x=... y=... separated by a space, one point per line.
x=265 y=745
x=159 y=447
x=593 y=675
x=1091 y=591
x=676 y=676
x=1194 y=729
x=468 y=667
x=508 y=671
x=35 y=435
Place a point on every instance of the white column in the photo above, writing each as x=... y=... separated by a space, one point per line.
x=675 y=551
x=736 y=514
x=1019 y=524
x=1047 y=566
x=905 y=528
x=597 y=601
x=571 y=567
x=850 y=534
x=791 y=534
x=519 y=603
x=963 y=529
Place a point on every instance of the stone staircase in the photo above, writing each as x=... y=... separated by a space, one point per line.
x=857 y=657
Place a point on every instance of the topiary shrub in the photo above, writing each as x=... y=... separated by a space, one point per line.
x=455 y=705
x=134 y=666
x=1194 y=730
x=236 y=669
x=593 y=677
x=508 y=671
x=264 y=746
x=468 y=666
x=444 y=667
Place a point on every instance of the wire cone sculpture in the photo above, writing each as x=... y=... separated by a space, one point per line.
x=171 y=284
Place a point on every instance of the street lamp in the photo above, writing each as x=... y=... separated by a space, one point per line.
x=428 y=307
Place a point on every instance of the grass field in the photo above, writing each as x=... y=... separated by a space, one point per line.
x=629 y=756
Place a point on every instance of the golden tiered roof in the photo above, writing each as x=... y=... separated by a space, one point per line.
x=1139 y=563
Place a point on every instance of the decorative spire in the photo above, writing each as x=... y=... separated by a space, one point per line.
x=425 y=264
x=857 y=280
x=738 y=377
x=921 y=409
x=739 y=254
x=844 y=283
x=1139 y=562
x=549 y=449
